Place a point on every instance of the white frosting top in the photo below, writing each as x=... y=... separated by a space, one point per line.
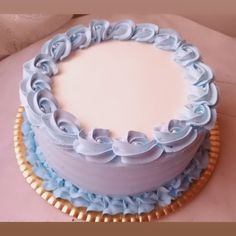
x=117 y=84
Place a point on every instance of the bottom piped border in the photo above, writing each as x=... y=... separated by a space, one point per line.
x=81 y=214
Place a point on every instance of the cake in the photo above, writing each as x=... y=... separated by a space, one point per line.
x=122 y=124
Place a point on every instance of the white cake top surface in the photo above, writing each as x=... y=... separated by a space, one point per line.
x=143 y=84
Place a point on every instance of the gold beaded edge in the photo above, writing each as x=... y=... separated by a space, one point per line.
x=80 y=212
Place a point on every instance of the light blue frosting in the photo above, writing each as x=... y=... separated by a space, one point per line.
x=176 y=136
x=134 y=147
x=95 y=146
x=42 y=63
x=143 y=202
x=186 y=54
x=40 y=103
x=145 y=32
x=168 y=39
x=62 y=127
x=58 y=48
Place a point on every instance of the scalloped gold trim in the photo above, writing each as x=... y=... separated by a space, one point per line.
x=80 y=212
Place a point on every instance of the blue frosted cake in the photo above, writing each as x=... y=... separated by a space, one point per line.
x=126 y=77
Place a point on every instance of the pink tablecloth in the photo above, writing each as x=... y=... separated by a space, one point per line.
x=18 y=202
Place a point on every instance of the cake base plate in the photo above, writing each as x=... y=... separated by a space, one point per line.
x=80 y=212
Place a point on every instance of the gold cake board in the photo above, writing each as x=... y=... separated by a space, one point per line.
x=80 y=212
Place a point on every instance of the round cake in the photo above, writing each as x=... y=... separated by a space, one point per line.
x=122 y=124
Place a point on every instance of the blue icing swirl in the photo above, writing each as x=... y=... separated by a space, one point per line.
x=62 y=127
x=168 y=39
x=186 y=54
x=40 y=103
x=204 y=93
x=122 y=30
x=140 y=203
x=34 y=82
x=200 y=114
x=199 y=74
x=175 y=136
x=80 y=36
x=145 y=32
x=45 y=64
x=58 y=47
x=99 y=30
x=95 y=146
x=136 y=148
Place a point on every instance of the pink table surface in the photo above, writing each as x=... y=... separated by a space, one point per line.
x=18 y=202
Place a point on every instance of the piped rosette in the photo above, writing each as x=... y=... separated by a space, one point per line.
x=96 y=146
x=186 y=54
x=206 y=93
x=121 y=30
x=39 y=104
x=43 y=63
x=58 y=48
x=168 y=39
x=175 y=136
x=62 y=127
x=99 y=30
x=33 y=83
x=136 y=148
x=199 y=115
x=198 y=74
x=145 y=32
x=80 y=36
